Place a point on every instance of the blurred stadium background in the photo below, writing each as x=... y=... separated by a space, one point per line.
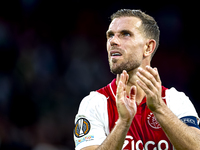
x=53 y=53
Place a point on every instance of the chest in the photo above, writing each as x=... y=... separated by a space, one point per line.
x=144 y=133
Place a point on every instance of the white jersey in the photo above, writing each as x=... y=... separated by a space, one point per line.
x=95 y=119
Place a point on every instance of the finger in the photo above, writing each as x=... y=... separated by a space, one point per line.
x=143 y=86
x=122 y=77
x=117 y=79
x=146 y=80
x=133 y=92
x=132 y=97
x=148 y=76
x=154 y=72
x=120 y=89
x=121 y=81
x=126 y=76
x=121 y=84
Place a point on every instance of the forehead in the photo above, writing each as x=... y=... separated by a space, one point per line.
x=127 y=23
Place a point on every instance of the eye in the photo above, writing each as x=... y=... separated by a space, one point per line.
x=126 y=34
x=110 y=35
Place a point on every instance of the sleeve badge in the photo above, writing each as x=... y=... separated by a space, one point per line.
x=82 y=127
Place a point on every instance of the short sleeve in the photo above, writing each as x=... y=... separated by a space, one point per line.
x=180 y=104
x=91 y=122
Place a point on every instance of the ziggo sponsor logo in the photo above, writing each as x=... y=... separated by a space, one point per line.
x=138 y=144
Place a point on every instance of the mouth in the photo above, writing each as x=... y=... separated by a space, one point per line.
x=115 y=53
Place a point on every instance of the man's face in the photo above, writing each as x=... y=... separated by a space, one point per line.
x=125 y=44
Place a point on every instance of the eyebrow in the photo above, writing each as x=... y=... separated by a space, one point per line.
x=126 y=31
x=122 y=31
x=109 y=32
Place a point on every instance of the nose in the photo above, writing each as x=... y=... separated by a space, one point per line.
x=114 y=41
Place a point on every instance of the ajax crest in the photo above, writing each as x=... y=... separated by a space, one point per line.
x=152 y=121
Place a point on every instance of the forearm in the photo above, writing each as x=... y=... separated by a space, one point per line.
x=180 y=135
x=115 y=139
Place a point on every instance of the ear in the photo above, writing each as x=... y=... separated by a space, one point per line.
x=149 y=47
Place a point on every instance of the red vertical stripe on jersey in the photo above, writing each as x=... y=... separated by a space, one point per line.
x=145 y=131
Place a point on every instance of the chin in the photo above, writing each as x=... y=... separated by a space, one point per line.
x=115 y=67
x=116 y=70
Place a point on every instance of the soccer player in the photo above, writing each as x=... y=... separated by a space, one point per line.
x=135 y=111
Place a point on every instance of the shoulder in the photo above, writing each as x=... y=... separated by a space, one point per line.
x=93 y=100
x=91 y=122
x=179 y=103
x=175 y=97
x=173 y=94
x=94 y=108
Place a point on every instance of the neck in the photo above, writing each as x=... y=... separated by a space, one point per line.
x=132 y=81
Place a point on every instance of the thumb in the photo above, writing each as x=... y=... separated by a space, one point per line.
x=133 y=92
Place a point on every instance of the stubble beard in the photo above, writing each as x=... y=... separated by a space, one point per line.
x=128 y=65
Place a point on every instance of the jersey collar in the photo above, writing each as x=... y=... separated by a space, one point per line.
x=113 y=89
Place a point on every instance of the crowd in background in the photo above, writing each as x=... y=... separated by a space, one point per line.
x=53 y=53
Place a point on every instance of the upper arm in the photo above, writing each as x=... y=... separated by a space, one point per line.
x=182 y=107
x=91 y=122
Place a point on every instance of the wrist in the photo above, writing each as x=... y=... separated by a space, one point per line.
x=124 y=123
x=160 y=110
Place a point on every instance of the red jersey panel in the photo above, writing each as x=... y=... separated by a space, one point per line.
x=145 y=132
x=97 y=116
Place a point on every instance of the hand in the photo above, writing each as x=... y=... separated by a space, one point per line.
x=126 y=106
x=151 y=84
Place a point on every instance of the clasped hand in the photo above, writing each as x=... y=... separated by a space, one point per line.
x=149 y=81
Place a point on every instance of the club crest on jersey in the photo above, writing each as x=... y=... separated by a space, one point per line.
x=82 y=127
x=152 y=121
